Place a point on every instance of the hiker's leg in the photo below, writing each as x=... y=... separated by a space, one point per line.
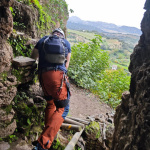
x=50 y=108
x=52 y=127
x=52 y=81
x=46 y=80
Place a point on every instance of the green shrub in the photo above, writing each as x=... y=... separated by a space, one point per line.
x=112 y=85
x=26 y=115
x=19 y=47
x=88 y=62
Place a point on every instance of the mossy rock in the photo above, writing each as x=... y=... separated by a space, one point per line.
x=28 y=116
x=93 y=131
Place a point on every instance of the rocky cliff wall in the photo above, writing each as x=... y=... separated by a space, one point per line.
x=7 y=81
x=132 y=118
x=37 y=21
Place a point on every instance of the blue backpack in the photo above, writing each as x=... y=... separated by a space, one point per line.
x=55 y=50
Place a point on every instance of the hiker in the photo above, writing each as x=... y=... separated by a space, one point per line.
x=54 y=54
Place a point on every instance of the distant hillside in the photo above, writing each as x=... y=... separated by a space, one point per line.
x=76 y=23
x=119 y=46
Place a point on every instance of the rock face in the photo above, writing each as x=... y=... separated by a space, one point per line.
x=6 y=27
x=6 y=55
x=25 y=67
x=6 y=21
x=7 y=3
x=99 y=133
x=5 y=131
x=132 y=118
x=27 y=18
x=7 y=92
x=4 y=146
x=7 y=81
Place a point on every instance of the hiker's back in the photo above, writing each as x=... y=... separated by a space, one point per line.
x=52 y=51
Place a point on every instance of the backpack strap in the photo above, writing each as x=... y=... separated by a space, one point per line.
x=63 y=46
x=44 y=43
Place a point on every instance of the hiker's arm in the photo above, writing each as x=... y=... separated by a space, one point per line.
x=34 y=53
x=68 y=60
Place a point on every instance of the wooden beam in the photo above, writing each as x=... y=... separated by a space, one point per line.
x=79 y=120
x=70 y=121
x=74 y=140
x=71 y=127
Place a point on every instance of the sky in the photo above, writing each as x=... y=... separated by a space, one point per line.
x=119 y=12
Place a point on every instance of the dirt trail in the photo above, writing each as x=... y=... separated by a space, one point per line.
x=84 y=103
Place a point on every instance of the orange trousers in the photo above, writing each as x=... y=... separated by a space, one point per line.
x=54 y=117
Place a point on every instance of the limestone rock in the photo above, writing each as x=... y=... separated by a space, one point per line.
x=35 y=90
x=64 y=141
x=93 y=131
x=11 y=78
x=6 y=117
x=30 y=102
x=6 y=3
x=25 y=68
x=132 y=118
x=7 y=90
x=6 y=22
x=7 y=95
x=109 y=134
x=28 y=16
x=4 y=145
x=22 y=145
x=8 y=130
x=6 y=55
x=21 y=61
x=94 y=137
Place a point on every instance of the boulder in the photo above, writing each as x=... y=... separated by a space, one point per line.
x=23 y=145
x=21 y=61
x=7 y=95
x=6 y=116
x=7 y=90
x=24 y=68
x=7 y=129
x=4 y=145
x=6 y=56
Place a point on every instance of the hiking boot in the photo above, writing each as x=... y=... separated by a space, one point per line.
x=35 y=143
x=38 y=147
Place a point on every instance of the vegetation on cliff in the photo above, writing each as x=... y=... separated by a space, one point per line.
x=42 y=17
